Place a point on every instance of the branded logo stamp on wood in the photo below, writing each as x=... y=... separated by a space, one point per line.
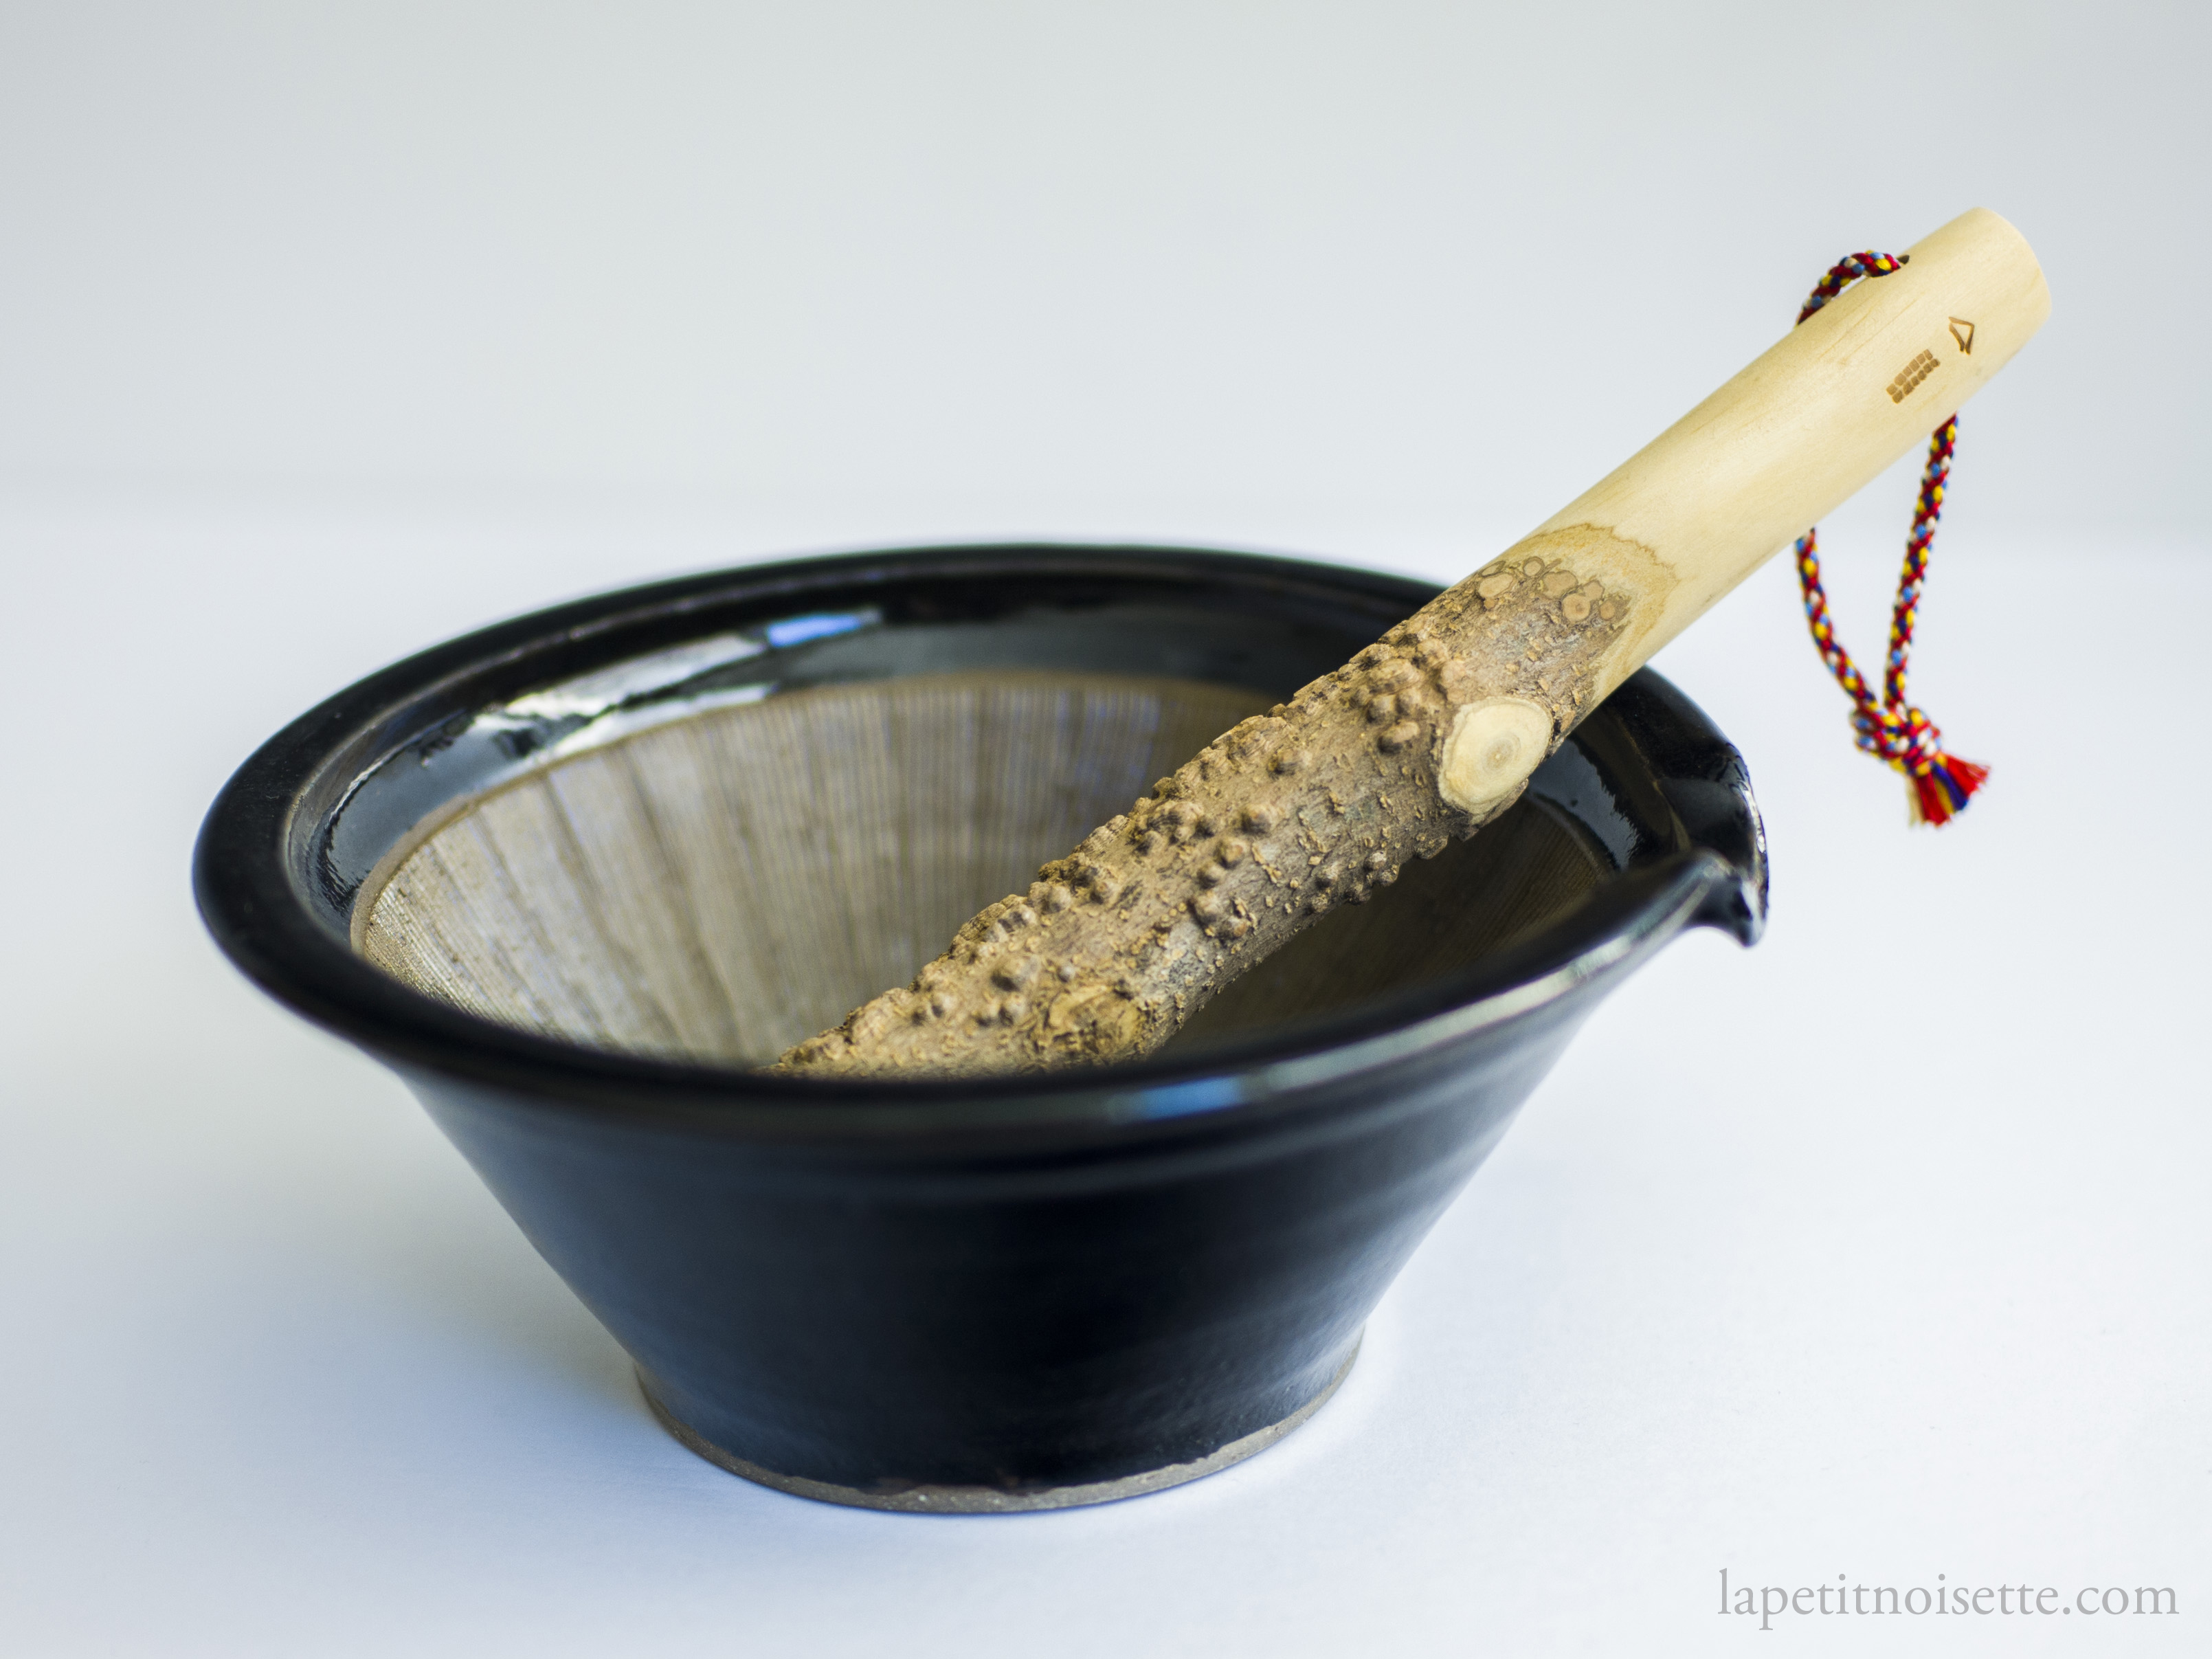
x=1910 y=376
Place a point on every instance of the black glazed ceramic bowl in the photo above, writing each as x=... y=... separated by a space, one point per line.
x=571 y=876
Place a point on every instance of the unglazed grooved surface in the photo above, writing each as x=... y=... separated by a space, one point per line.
x=718 y=888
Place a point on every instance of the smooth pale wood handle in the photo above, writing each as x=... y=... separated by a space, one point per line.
x=1818 y=415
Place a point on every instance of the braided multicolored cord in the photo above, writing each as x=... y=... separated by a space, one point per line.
x=1938 y=784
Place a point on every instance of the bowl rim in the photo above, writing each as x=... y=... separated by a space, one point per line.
x=250 y=893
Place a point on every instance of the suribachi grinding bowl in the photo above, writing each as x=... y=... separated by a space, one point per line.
x=574 y=876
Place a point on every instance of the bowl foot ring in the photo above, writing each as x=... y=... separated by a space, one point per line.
x=993 y=1500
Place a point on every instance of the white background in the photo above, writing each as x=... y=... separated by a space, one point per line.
x=328 y=332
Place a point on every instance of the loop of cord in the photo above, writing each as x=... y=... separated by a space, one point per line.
x=1938 y=784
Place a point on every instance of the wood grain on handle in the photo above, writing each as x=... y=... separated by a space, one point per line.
x=1432 y=730
x=1808 y=424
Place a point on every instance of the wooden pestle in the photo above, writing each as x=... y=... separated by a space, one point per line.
x=1432 y=730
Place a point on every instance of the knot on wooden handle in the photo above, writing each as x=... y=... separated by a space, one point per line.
x=1938 y=784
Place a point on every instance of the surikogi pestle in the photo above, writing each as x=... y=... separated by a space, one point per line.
x=1432 y=730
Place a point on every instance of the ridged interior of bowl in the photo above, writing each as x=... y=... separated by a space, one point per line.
x=721 y=886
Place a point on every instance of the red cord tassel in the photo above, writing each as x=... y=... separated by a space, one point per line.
x=1940 y=793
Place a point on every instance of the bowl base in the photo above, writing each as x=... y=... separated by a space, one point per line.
x=994 y=1500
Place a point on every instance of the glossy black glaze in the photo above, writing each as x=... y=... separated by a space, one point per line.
x=1019 y=1284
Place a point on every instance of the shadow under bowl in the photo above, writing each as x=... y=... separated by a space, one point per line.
x=573 y=876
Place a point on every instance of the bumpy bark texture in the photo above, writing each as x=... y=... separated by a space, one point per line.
x=1272 y=824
